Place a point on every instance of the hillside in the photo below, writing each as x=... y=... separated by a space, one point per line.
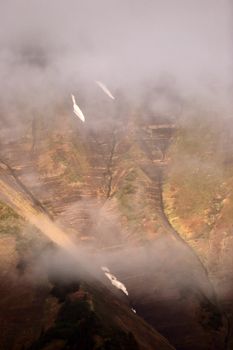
x=106 y=187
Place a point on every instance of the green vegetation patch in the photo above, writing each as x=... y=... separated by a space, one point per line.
x=10 y=221
x=195 y=184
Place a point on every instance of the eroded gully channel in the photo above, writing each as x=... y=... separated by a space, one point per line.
x=171 y=289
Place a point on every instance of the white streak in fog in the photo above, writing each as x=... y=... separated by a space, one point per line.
x=114 y=280
x=77 y=110
x=105 y=89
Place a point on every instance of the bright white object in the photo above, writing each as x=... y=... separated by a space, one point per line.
x=77 y=110
x=114 y=280
x=105 y=89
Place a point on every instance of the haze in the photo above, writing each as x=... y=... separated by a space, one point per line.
x=49 y=48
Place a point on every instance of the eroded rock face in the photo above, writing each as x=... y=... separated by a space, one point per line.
x=198 y=199
x=104 y=186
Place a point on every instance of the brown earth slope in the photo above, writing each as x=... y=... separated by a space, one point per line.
x=104 y=185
